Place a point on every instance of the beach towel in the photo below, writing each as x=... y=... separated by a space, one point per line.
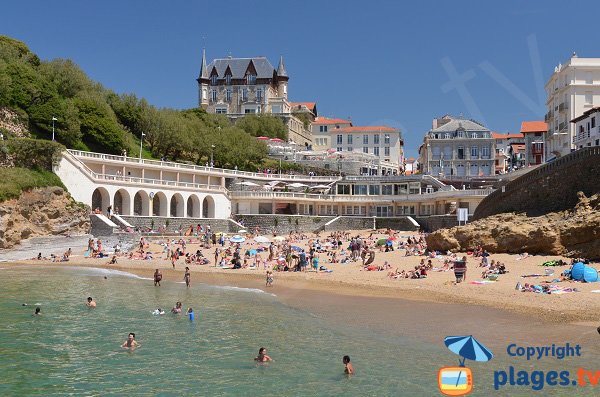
x=532 y=275
x=478 y=282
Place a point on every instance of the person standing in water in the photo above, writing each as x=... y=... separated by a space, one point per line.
x=269 y=279
x=90 y=302
x=262 y=356
x=348 y=370
x=130 y=343
x=190 y=313
x=38 y=311
x=157 y=277
x=187 y=276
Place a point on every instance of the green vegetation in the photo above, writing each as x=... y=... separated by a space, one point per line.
x=30 y=153
x=91 y=117
x=13 y=181
x=263 y=125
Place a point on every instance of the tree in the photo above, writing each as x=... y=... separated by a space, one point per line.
x=263 y=125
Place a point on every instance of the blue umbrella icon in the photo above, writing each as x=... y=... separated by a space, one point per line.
x=468 y=348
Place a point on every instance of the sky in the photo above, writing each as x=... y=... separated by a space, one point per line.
x=376 y=62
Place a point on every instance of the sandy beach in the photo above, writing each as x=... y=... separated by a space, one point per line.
x=349 y=279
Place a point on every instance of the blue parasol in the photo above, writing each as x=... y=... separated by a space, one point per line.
x=468 y=348
x=296 y=248
x=252 y=252
x=237 y=239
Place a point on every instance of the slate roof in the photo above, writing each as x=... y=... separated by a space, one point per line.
x=467 y=125
x=238 y=67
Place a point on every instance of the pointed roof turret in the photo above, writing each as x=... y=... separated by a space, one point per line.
x=281 y=72
x=203 y=69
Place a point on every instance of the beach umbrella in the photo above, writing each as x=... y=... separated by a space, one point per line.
x=468 y=348
x=278 y=238
x=237 y=239
x=242 y=231
x=296 y=248
x=276 y=140
x=262 y=138
x=261 y=239
x=252 y=252
x=297 y=185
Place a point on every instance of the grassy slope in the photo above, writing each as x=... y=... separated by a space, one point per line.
x=13 y=181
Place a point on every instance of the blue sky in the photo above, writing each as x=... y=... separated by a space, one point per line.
x=378 y=62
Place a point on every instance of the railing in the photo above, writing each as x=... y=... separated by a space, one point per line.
x=160 y=182
x=147 y=181
x=191 y=167
x=366 y=198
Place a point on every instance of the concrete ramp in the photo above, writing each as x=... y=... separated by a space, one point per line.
x=102 y=226
x=122 y=222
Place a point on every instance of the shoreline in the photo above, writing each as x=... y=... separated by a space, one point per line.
x=287 y=286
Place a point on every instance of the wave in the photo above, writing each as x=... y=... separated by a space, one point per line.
x=241 y=289
x=96 y=271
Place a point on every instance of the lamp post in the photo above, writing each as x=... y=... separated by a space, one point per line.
x=212 y=149
x=141 y=142
x=53 y=120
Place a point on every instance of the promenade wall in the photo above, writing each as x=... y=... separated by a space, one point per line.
x=549 y=188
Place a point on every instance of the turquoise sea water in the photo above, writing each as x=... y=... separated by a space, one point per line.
x=73 y=351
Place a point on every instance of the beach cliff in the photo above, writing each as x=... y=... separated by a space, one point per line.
x=573 y=233
x=43 y=211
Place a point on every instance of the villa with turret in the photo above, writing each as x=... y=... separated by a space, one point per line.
x=237 y=87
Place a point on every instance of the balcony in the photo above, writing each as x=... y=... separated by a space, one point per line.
x=563 y=106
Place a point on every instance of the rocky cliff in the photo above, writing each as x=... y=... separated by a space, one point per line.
x=41 y=212
x=574 y=232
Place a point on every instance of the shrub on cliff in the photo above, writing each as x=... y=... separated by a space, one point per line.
x=13 y=181
x=31 y=153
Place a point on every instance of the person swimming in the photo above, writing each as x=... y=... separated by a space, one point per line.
x=158 y=312
x=177 y=308
x=90 y=302
x=130 y=343
x=262 y=356
x=38 y=311
x=348 y=369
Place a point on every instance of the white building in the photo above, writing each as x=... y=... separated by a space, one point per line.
x=321 y=128
x=383 y=142
x=572 y=89
x=587 y=129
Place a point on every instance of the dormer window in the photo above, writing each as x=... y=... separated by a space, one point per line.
x=213 y=79
x=228 y=79
x=251 y=79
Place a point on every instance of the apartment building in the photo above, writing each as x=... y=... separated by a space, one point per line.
x=587 y=128
x=457 y=147
x=573 y=89
x=534 y=132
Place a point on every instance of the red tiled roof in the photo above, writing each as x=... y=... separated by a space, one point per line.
x=528 y=127
x=326 y=120
x=309 y=105
x=495 y=135
x=370 y=128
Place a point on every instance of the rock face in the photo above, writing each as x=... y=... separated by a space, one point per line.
x=41 y=212
x=574 y=232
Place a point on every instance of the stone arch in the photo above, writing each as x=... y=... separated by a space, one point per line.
x=100 y=199
x=141 y=204
x=122 y=202
x=160 y=204
x=193 y=206
x=208 y=207
x=177 y=204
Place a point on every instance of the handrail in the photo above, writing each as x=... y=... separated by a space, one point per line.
x=213 y=170
x=149 y=181
x=331 y=197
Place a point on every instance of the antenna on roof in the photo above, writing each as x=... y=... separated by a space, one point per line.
x=229 y=55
